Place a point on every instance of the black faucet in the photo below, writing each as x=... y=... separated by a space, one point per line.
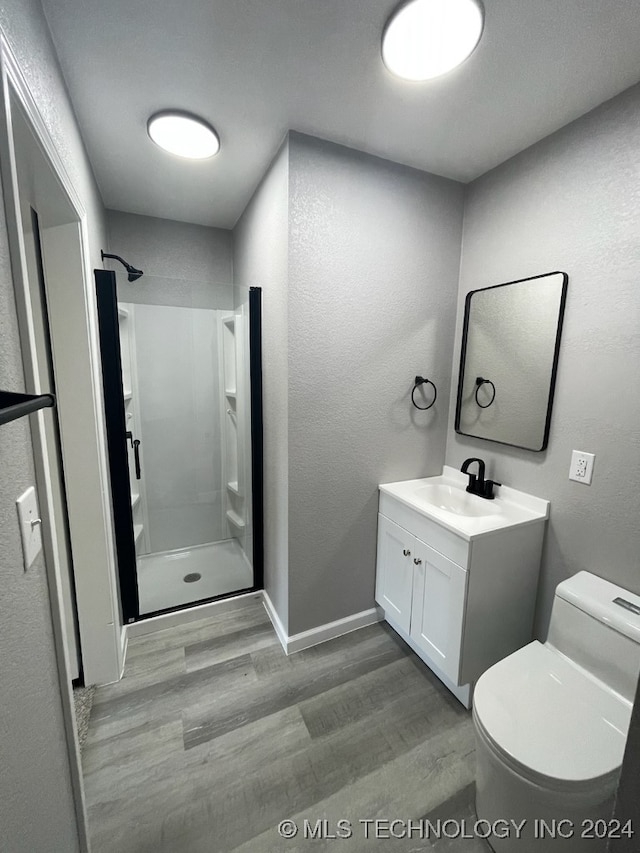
x=477 y=483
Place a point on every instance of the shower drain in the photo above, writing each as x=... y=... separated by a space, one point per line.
x=192 y=577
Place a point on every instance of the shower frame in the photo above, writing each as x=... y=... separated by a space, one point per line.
x=114 y=406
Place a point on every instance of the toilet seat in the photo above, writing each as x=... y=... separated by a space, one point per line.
x=550 y=721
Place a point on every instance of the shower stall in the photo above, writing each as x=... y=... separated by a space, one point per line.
x=182 y=385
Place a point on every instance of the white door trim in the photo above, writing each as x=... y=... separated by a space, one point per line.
x=100 y=631
x=101 y=643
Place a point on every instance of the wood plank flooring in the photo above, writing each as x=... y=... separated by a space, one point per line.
x=214 y=736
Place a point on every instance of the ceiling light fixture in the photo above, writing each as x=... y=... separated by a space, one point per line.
x=426 y=38
x=183 y=134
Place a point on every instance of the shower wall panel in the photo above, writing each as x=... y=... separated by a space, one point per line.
x=177 y=357
x=244 y=535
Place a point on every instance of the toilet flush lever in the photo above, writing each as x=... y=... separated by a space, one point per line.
x=628 y=605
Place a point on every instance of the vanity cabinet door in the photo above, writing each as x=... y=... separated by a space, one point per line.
x=437 y=617
x=394 y=576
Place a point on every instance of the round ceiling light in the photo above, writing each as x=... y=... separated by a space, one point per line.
x=426 y=38
x=183 y=134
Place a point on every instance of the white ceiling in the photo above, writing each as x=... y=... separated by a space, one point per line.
x=256 y=68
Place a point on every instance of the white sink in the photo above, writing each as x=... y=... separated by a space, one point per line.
x=453 y=499
x=444 y=499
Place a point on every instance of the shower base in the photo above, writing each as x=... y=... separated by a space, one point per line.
x=174 y=578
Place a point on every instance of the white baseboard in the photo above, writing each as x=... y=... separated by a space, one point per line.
x=315 y=636
x=124 y=639
x=295 y=643
x=321 y=634
x=191 y=614
x=278 y=627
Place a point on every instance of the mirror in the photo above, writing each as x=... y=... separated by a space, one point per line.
x=510 y=345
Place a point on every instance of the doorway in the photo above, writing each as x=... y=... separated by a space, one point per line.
x=56 y=315
x=49 y=243
x=183 y=407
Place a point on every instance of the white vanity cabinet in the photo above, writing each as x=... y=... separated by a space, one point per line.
x=461 y=600
x=395 y=571
x=422 y=594
x=437 y=609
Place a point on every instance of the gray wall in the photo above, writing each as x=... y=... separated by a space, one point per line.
x=37 y=813
x=373 y=263
x=184 y=265
x=261 y=260
x=572 y=202
x=358 y=260
x=36 y=806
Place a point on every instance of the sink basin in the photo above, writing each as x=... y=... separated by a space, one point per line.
x=455 y=500
x=444 y=499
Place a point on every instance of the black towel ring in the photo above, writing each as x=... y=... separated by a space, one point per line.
x=420 y=380
x=479 y=383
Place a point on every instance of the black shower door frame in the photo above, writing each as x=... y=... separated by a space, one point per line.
x=114 y=410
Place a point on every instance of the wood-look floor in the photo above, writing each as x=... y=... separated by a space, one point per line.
x=214 y=736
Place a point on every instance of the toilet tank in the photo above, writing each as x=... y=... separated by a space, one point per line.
x=597 y=625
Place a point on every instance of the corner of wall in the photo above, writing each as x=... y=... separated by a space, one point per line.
x=260 y=258
x=457 y=337
x=567 y=203
x=374 y=250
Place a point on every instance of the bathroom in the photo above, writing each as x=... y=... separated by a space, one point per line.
x=363 y=284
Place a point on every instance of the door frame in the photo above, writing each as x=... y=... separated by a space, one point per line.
x=72 y=314
x=106 y=290
x=51 y=425
x=257 y=433
x=25 y=139
x=115 y=418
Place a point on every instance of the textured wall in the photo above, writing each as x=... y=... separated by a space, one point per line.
x=184 y=265
x=36 y=806
x=261 y=260
x=373 y=263
x=572 y=202
x=25 y=27
x=37 y=813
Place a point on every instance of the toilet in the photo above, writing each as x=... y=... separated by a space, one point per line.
x=551 y=722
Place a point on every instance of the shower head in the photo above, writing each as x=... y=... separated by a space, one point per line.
x=134 y=274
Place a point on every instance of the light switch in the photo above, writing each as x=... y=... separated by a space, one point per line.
x=30 y=524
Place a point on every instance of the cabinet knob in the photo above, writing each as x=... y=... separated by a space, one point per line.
x=417 y=561
x=406 y=553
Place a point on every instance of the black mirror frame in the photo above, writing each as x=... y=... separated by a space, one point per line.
x=554 y=369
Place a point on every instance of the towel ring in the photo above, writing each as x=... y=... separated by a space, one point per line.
x=479 y=383
x=419 y=380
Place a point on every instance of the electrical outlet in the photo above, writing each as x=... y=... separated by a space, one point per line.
x=581 y=467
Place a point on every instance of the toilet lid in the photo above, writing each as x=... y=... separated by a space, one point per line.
x=551 y=718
